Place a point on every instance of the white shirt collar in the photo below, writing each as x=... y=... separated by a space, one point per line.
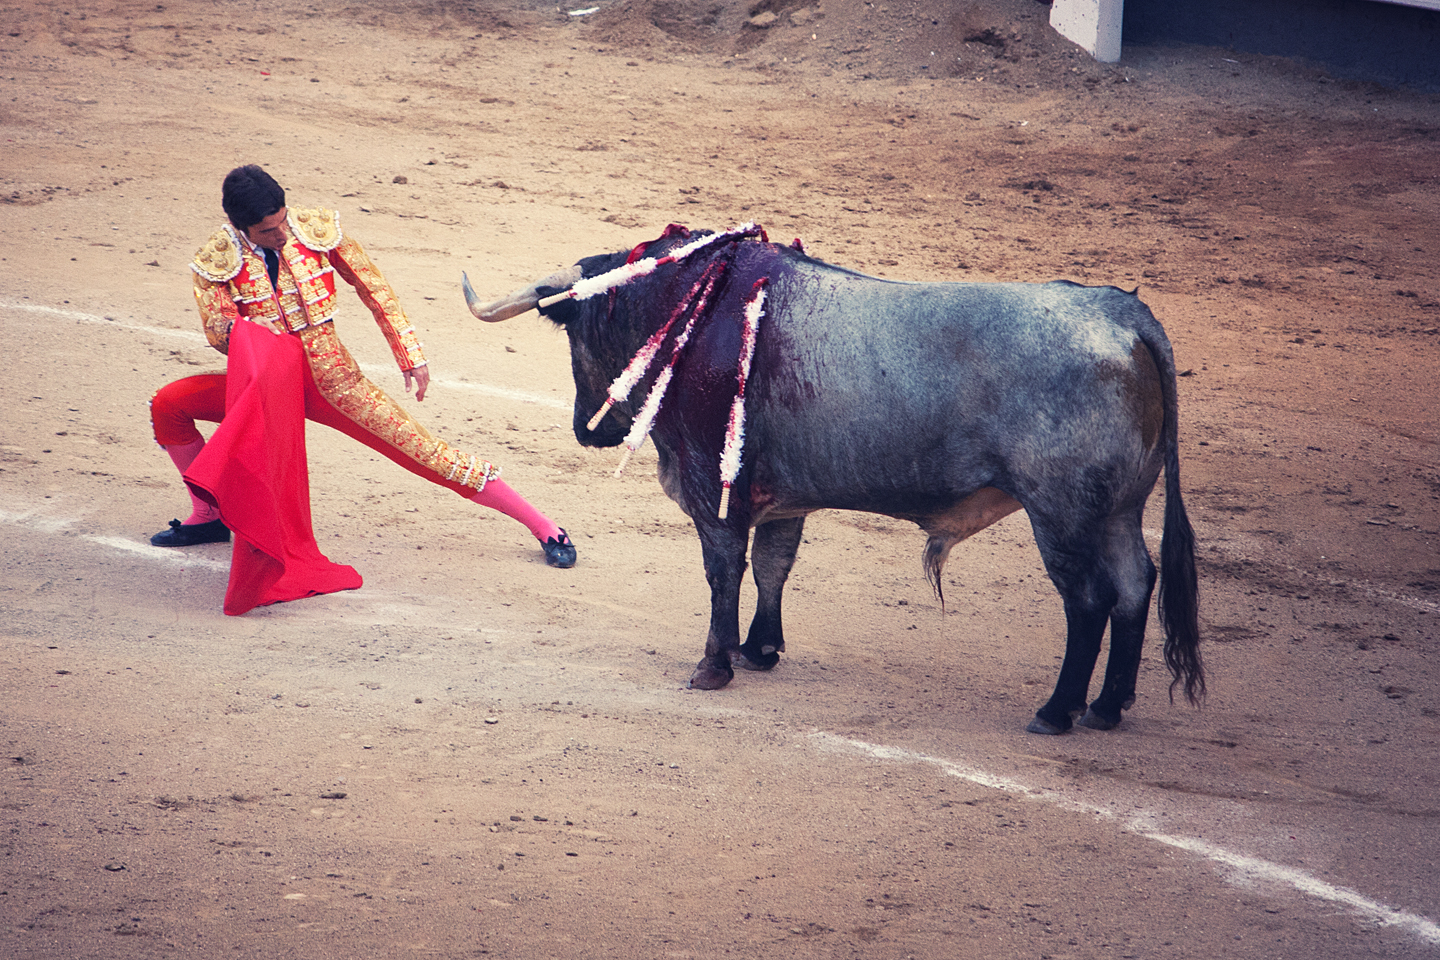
x=255 y=248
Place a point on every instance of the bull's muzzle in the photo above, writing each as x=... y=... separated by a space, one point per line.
x=521 y=301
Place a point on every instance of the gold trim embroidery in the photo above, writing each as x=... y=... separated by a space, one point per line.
x=317 y=228
x=217 y=311
x=307 y=293
x=339 y=380
x=358 y=270
x=219 y=259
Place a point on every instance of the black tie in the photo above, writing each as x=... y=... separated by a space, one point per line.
x=272 y=266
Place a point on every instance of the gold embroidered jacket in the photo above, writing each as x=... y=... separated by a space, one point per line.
x=231 y=282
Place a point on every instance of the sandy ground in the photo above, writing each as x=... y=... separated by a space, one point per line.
x=479 y=756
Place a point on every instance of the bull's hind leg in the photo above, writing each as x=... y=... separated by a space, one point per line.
x=1089 y=597
x=724 y=552
x=1133 y=573
x=771 y=558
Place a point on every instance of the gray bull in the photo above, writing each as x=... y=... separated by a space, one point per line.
x=950 y=405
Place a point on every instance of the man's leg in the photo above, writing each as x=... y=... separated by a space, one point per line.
x=499 y=495
x=173 y=412
x=339 y=396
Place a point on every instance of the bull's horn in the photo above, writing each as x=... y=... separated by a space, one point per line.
x=521 y=300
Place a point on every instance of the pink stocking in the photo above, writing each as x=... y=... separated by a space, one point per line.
x=184 y=454
x=499 y=495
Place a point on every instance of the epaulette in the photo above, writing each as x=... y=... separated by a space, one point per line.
x=219 y=259
x=318 y=228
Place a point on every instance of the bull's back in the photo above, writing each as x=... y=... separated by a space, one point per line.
x=901 y=397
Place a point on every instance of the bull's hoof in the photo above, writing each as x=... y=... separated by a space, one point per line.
x=1094 y=721
x=708 y=676
x=755 y=656
x=1042 y=726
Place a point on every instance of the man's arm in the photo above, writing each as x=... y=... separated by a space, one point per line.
x=350 y=261
x=216 y=263
x=218 y=312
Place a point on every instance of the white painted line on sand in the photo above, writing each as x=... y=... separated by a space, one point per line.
x=1241 y=867
x=83 y=317
x=160 y=554
x=375 y=371
x=35 y=520
x=370 y=369
x=43 y=523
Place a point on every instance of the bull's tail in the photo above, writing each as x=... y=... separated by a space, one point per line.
x=1179 y=591
x=1179 y=588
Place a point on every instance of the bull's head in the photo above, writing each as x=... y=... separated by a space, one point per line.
x=594 y=360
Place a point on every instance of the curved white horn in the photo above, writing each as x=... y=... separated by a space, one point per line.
x=521 y=301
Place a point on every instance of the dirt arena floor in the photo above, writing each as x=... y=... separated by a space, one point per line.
x=476 y=755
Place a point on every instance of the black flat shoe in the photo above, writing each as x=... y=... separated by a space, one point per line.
x=559 y=553
x=189 y=534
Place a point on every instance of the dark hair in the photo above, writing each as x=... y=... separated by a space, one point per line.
x=249 y=195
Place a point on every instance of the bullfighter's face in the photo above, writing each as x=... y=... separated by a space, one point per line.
x=272 y=232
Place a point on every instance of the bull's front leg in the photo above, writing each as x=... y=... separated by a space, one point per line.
x=776 y=543
x=724 y=550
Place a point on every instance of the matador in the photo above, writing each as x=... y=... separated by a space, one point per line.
x=275 y=267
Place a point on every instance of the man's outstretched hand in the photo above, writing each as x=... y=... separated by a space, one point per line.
x=421 y=376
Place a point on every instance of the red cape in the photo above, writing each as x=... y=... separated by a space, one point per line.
x=254 y=470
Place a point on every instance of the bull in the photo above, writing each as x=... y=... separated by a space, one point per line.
x=950 y=405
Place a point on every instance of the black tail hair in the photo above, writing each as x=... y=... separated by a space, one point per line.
x=1179 y=587
x=1179 y=591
